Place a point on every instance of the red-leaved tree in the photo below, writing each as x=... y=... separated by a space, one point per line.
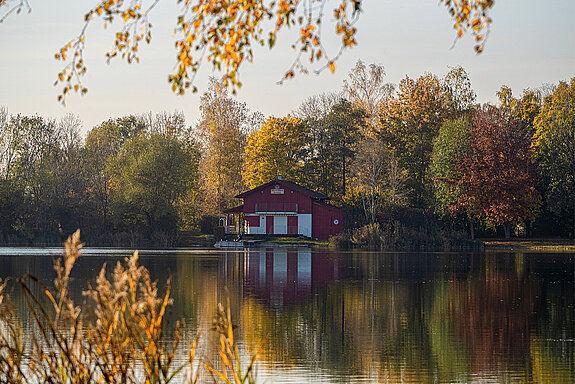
x=497 y=176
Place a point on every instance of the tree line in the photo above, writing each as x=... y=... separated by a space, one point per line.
x=420 y=156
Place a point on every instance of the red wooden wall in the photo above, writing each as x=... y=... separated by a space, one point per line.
x=326 y=221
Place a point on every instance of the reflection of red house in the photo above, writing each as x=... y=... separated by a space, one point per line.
x=282 y=276
x=282 y=207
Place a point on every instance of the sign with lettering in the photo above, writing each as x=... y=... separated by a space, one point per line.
x=277 y=191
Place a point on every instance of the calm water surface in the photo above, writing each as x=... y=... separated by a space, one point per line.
x=362 y=317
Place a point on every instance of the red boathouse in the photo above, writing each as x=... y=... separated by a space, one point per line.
x=282 y=207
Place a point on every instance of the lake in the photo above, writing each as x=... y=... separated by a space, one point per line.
x=364 y=317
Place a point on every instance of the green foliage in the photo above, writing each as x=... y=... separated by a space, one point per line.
x=148 y=176
x=555 y=152
x=50 y=180
x=452 y=142
x=40 y=165
x=332 y=144
x=108 y=137
x=102 y=144
x=429 y=149
x=11 y=207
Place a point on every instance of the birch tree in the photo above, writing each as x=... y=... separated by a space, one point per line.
x=222 y=131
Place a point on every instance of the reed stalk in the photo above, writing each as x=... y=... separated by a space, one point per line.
x=118 y=334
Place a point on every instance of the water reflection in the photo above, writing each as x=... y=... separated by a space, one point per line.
x=373 y=317
x=284 y=277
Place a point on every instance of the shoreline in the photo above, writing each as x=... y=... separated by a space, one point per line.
x=551 y=245
x=515 y=244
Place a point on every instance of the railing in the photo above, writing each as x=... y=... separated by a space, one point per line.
x=276 y=207
x=231 y=230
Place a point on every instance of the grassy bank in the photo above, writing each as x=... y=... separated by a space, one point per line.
x=545 y=245
x=296 y=241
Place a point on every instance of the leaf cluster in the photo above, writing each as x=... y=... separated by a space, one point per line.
x=224 y=33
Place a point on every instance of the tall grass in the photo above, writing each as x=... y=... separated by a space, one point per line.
x=118 y=334
x=396 y=236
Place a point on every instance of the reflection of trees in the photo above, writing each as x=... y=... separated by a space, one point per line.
x=351 y=327
x=383 y=317
x=551 y=364
x=496 y=318
x=492 y=313
x=418 y=318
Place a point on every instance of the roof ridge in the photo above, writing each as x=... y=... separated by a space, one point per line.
x=308 y=191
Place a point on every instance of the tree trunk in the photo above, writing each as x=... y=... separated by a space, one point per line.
x=507 y=229
x=372 y=205
x=471 y=227
x=343 y=181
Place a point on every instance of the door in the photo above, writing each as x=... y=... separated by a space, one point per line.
x=292 y=228
x=269 y=225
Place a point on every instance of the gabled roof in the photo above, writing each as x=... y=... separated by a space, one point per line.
x=324 y=204
x=238 y=209
x=286 y=184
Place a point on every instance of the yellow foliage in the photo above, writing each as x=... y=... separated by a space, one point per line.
x=275 y=149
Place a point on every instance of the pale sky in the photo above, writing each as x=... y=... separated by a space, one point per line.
x=531 y=43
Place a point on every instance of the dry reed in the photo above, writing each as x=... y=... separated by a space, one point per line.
x=116 y=336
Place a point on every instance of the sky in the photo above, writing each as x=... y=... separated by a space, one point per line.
x=531 y=43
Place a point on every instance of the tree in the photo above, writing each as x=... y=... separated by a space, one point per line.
x=313 y=111
x=275 y=149
x=66 y=192
x=223 y=33
x=367 y=89
x=332 y=148
x=376 y=177
x=40 y=168
x=148 y=176
x=11 y=138
x=410 y=122
x=317 y=107
x=102 y=144
x=223 y=129
x=451 y=144
x=459 y=92
x=167 y=124
x=555 y=151
x=497 y=176
x=524 y=110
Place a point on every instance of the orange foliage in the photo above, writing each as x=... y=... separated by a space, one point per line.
x=223 y=32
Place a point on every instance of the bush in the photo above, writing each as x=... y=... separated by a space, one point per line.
x=219 y=233
x=208 y=224
x=341 y=241
x=369 y=236
x=397 y=236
